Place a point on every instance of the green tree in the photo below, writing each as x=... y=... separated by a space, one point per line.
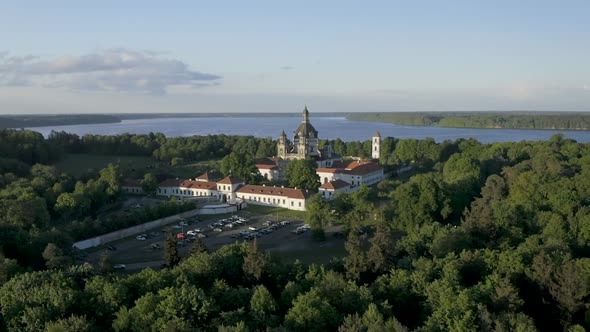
x=382 y=251
x=317 y=215
x=240 y=165
x=263 y=308
x=311 y=312
x=255 y=261
x=355 y=262
x=149 y=184
x=70 y=324
x=302 y=174
x=171 y=257
x=105 y=265
x=55 y=258
x=198 y=247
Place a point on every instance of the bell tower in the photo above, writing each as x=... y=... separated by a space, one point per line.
x=376 y=146
x=282 y=145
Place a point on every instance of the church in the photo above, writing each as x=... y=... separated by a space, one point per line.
x=305 y=144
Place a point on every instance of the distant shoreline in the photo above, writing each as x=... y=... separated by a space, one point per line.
x=484 y=120
x=49 y=120
x=479 y=120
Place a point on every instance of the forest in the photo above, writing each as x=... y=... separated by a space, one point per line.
x=478 y=237
x=514 y=120
x=38 y=120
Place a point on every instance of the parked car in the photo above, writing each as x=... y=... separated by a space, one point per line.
x=218 y=230
x=154 y=234
x=285 y=222
x=252 y=228
x=141 y=238
x=156 y=246
x=183 y=223
x=176 y=226
x=192 y=232
x=229 y=226
x=119 y=266
x=201 y=235
x=111 y=248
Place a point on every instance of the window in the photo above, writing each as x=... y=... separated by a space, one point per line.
x=291 y=203
x=299 y=204
x=283 y=201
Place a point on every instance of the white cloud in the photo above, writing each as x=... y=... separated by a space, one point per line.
x=109 y=70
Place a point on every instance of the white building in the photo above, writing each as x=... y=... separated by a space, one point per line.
x=233 y=190
x=376 y=145
x=354 y=172
x=289 y=198
x=329 y=190
x=132 y=186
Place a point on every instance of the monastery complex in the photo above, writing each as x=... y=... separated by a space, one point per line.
x=335 y=174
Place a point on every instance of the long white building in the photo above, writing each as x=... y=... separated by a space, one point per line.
x=232 y=189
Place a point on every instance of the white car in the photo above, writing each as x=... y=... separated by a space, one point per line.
x=218 y=230
x=183 y=223
x=141 y=238
x=176 y=226
x=252 y=228
x=201 y=235
x=119 y=266
x=192 y=232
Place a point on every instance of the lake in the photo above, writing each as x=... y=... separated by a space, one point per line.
x=328 y=128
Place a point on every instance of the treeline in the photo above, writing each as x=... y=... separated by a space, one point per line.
x=37 y=120
x=160 y=147
x=516 y=120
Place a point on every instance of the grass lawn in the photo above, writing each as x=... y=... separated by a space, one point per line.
x=269 y=210
x=133 y=166
x=80 y=164
x=191 y=170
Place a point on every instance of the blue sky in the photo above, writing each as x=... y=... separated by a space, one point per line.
x=274 y=56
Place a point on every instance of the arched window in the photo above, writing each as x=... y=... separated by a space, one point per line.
x=325 y=180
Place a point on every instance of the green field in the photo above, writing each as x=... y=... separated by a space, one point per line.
x=80 y=164
x=133 y=166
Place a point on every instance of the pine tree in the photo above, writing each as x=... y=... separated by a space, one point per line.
x=104 y=264
x=355 y=262
x=171 y=257
x=255 y=261
x=198 y=247
x=382 y=249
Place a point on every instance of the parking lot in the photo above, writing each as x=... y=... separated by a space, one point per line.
x=282 y=236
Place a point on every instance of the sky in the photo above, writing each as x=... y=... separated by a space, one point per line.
x=276 y=56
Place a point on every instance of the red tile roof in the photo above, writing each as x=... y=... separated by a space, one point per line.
x=230 y=180
x=336 y=184
x=364 y=169
x=274 y=191
x=170 y=183
x=209 y=176
x=263 y=166
x=198 y=184
x=355 y=167
x=327 y=170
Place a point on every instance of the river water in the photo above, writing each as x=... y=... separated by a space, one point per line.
x=328 y=127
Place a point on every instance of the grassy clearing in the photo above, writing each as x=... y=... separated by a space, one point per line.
x=133 y=166
x=80 y=164
x=274 y=211
x=191 y=170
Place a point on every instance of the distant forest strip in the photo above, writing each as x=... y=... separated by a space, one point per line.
x=37 y=120
x=515 y=120
x=48 y=120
